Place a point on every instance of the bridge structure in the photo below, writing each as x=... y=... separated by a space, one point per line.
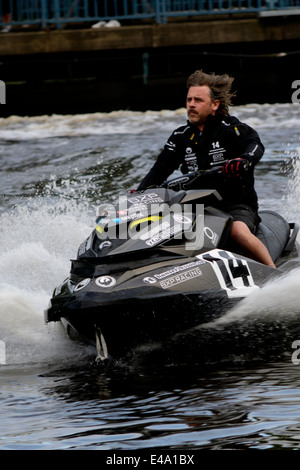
x=137 y=53
x=58 y=13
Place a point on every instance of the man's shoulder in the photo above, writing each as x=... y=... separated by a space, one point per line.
x=182 y=130
x=231 y=126
x=227 y=121
x=179 y=137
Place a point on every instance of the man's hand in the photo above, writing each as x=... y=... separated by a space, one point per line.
x=236 y=168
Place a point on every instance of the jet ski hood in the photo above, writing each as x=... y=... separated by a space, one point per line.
x=160 y=218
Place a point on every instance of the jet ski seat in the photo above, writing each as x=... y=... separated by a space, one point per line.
x=274 y=232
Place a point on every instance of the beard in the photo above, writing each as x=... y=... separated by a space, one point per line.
x=196 y=118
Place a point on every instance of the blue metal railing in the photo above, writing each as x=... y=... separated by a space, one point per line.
x=59 y=12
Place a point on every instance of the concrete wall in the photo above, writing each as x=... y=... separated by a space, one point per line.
x=219 y=31
x=145 y=67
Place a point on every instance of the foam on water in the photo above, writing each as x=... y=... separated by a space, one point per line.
x=277 y=300
x=120 y=122
x=282 y=116
x=37 y=244
x=292 y=196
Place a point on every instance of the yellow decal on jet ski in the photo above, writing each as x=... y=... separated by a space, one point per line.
x=100 y=228
x=151 y=218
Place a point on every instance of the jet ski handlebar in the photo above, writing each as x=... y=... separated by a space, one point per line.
x=187 y=181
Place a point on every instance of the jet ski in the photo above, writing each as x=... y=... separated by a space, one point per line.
x=159 y=262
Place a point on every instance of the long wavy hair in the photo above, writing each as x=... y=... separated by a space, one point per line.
x=219 y=85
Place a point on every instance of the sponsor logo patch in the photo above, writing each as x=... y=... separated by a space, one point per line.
x=105 y=281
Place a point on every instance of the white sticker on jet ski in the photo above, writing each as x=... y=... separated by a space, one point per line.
x=182 y=219
x=181 y=277
x=105 y=281
x=233 y=273
x=147 y=198
x=81 y=284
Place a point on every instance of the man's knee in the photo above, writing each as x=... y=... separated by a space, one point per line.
x=240 y=232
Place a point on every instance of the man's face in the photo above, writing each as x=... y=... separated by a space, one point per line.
x=200 y=105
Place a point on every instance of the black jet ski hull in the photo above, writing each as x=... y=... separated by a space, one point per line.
x=136 y=323
x=132 y=310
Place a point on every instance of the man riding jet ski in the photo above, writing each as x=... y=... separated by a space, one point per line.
x=179 y=254
x=211 y=138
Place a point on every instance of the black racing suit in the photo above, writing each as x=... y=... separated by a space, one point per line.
x=223 y=138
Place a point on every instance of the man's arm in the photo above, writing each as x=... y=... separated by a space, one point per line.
x=248 y=152
x=251 y=146
x=166 y=163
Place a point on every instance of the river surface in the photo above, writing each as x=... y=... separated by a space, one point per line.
x=240 y=390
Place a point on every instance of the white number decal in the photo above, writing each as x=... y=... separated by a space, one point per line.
x=233 y=273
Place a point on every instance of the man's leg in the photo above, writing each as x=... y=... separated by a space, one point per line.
x=250 y=244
